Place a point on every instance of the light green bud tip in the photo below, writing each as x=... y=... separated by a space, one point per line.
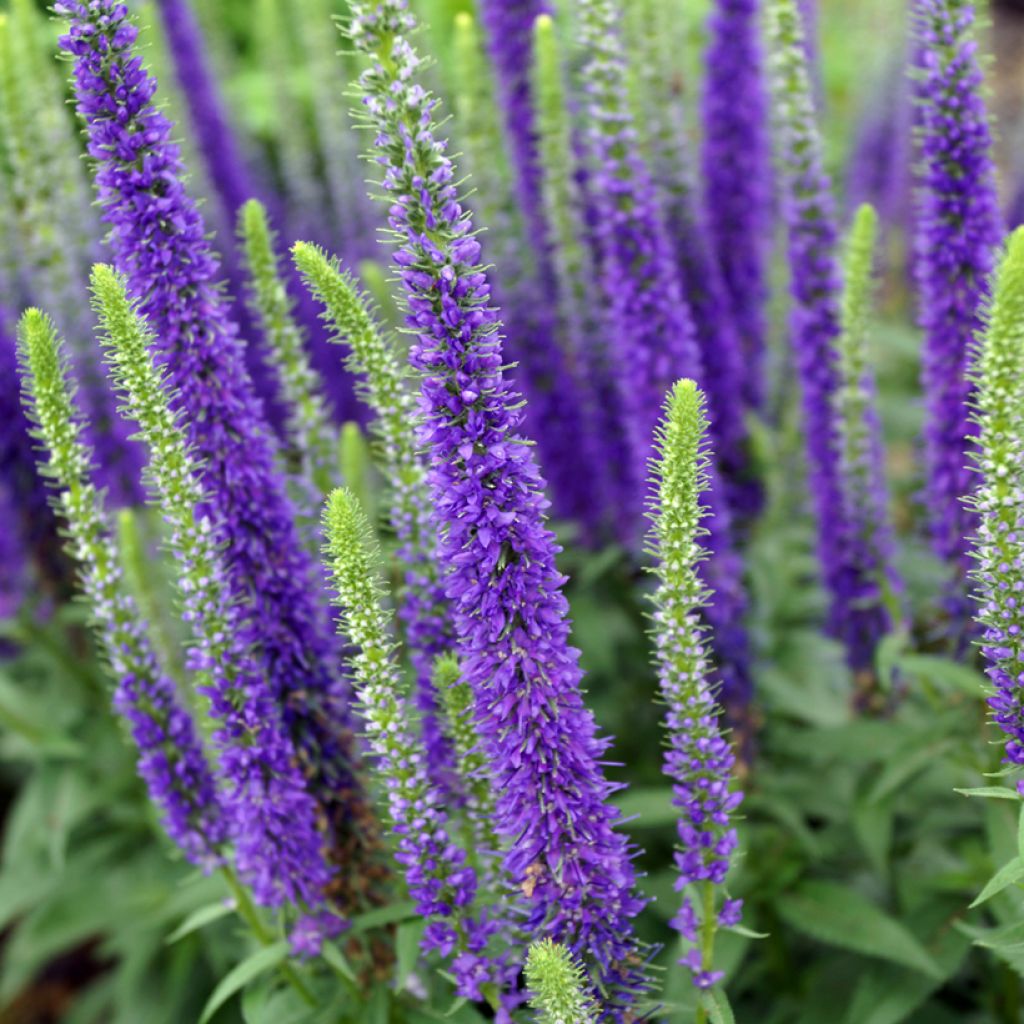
x=37 y=337
x=557 y=986
x=685 y=426
x=350 y=540
x=255 y=228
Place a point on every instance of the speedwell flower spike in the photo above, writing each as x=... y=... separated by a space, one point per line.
x=159 y=242
x=271 y=817
x=700 y=759
x=171 y=760
x=809 y=213
x=384 y=384
x=958 y=228
x=736 y=166
x=874 y=581
x=557 y=984
x=311 y=438
x=998 y=499
x=440 y=880
x=573 y=868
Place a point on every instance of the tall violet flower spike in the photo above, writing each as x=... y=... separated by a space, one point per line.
x=158 y=239
x=998 y=499
x=958 y=228
x=861 y=462
x=699 y=759
x=440 y=880
x=648 y=320
x=736 y=166
x=809 y=213
x=572 y=867
x=272 y=819
x=171 y=760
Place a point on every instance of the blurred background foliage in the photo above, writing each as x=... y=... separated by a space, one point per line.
x=859 y=863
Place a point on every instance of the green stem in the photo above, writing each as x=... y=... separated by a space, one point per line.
x=708 y=927
x=250 y=915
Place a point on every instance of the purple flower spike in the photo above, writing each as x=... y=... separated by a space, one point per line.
x=573 y=869
x=736 y=162
x=958 y=231
x=159 y=243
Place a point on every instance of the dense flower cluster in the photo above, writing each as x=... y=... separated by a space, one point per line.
x=170 y=758
x=958 y=229
x=159 y=242
x=551 y=806
x=700 y=759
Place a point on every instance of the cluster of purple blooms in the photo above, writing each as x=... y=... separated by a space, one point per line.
x=679 y=290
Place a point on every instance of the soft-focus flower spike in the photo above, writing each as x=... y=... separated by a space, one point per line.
x=558 y=986
x=32 y=526
x=649 y=327
x=354 y=218
x=958 y=228
x=523 y=291
x=272 y=819
x=509 y=28
x=56 y=231
x=311 y=438
x=235 y=182
x=572 y=866
x=171 y=759
x=661 y=128
x=482 y=842
x=294 y=142
x=385 y=386
x=997 y=498
x=440 y=880
x=808 y=209
x=699 y=760
x=736 y=167
x=158 y=239
x=874 y=580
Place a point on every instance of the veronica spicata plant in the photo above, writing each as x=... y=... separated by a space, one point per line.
x=572 y=867
x=700 y=760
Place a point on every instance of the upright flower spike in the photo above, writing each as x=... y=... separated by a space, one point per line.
x=812 y=238
x=158 y=240
x=572 y=867
x=385 y=387
x=648 y=320
x=455 y=693
x=997 y=500
x=874 y=583
x=523 y=292
x=558 y=987
x=235 y=183
x=736 y=169
x=699 y=759
x=171 y=760
x=661 y=127
x=439 y=879
x=509 y=27
x=311 y=439
x=272 y=819
x=32 y=525
x=958 y=229
x=56 y=230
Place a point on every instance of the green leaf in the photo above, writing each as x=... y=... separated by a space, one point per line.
x=841 y=917
x=252 y=967
x=948 y=674
x=651 y=807
x=1006 y=876
x=990 y=793
x=337 y=960
x=407 y=950
x=1020 y=834
x=717 y=1005
x=391 y=914
x=200 y=919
